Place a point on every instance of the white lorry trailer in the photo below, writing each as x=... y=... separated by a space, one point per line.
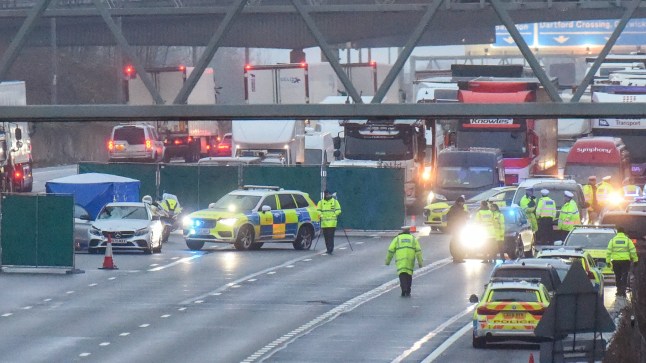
x=187 y=139
x=15 y=146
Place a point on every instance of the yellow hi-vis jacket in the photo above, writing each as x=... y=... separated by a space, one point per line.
x=530 y=212
x=621 y=248
x=499 y=226
x=330 y=210
x=545 y=207
x=569 y=216
x=405 y=248
x=484 y=217
x=588 y=194
x=169 y=205
x=604 y=189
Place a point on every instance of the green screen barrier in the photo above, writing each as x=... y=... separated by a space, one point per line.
x=182 y=181
x=370 y=198
x=304 y=178
x=37 y=230
x=216 y=181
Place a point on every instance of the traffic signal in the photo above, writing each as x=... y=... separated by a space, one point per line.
x=129 y=72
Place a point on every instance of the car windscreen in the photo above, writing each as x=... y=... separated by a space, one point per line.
x=634 y=225
x=527 y=273
x=589 y=240
x=123 y=212
x=237 y=203
x=132 y=135
x=471 y=177
x=514 y=295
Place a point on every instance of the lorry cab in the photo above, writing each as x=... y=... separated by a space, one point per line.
x=319 y=147
x=599 y=156
x=467 y=172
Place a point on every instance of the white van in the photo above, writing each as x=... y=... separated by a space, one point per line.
x=135 y=142
x=319 y=148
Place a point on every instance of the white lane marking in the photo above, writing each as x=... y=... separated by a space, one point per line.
x=271 y=272
x=181 y=309
x=104 y=344
x=447 y=343
x=307 y=260
x=47 y=300
x=280 y=343
x=199 y=301
x=165 y=316
x=342 y=248
x=216 y=293
x=236 y=286
x=6 y=315
x=27 y=308
x=124 y=334
x=70 y=292
x=360 y=243
x=144 y=325
x=182 y=260
x=243 y=279
x=174 y=258
x=84 y=354
x=418 y=344
x=154 y=264
x=112 y=278
x=92 y=284
x=252 y=280
x=290 y=266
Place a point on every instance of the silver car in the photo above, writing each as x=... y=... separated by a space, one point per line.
x=130 y=226
x=82 y=223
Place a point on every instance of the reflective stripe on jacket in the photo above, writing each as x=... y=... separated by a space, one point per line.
x=604 y=189
x=569 y=216
x=499 y=226
x=546 y=208
x=405 y=248
x=621 y=248
x=485 y=218
x=330 y=210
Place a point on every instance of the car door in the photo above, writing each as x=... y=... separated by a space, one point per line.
x=267 y=218
x=288 y=225
x=82 y=224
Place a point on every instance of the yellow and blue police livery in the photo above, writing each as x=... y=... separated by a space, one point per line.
x=254 y=215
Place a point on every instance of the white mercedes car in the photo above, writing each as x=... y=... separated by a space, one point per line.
x=130 y=225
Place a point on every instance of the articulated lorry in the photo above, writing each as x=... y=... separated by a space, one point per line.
x=187 y=139
x=387 y=143
x=15 y=146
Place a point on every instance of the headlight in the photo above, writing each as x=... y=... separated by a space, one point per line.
x=473 y=236
x=430 y=197
x=440 y=197
x=187 y=221
x=142 y=232
x=228 y=221
x=95 y=231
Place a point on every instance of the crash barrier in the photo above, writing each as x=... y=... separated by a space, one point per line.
x=371 y=198
x=37 y=231
x=145 y=173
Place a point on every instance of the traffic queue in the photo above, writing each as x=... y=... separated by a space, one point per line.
x=534 y=232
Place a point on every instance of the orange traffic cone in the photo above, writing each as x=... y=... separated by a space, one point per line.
x=531 y=358
x=108 y=263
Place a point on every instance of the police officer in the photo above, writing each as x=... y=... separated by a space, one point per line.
x=604 y=189
x=457 y=215
x=499 y=229
x=569 y=216
x=330 y=209
x=545 y=212
x=590 y=195
x=484 y=217
x=528 y=205
x=621 y=252
x=406 y=249
x=170 y=204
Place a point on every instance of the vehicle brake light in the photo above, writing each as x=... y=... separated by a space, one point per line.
x=110 y=145
x=17 y=175
x=224 y=146
x=149 y=144
x=303 y=64
x=511 y=179
x=190 y=139
x=373 y=63
x=182 y=68
x=208 y=147
x=178 y=141
x=485 y=311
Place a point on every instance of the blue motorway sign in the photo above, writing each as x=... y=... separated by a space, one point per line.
x=574 y=33
x=504 y=39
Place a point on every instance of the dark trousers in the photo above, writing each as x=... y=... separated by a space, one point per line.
x=501 y=249
x=544 y=233
x=328 y=234
x=405 y=282
x=621 y=269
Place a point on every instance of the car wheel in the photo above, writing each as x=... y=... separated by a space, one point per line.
x=245 y=238
x=479 y=343
x=515 y=249
x=256 y=246
x=304 y=238
x=195 y=245
x=149 y=248
x=158 y=249
x=457 y=255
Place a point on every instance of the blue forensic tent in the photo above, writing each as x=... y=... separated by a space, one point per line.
x=94 y=190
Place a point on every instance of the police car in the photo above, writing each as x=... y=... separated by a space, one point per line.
x=594 y=239
x=509 y=309
x=254 y=215
x=577 y=254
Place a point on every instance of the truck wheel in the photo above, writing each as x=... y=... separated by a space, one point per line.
x=195 y=245
x=245 y=238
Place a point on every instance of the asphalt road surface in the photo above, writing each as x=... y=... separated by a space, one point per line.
x=271 y=305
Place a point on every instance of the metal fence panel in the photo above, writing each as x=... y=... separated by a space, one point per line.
x=370 y=198
x=216 y=181
x=145 y=173
x=181 y=180
x=38 y=230
x=298 y=177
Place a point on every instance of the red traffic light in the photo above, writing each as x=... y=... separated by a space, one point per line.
x=129 y=72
